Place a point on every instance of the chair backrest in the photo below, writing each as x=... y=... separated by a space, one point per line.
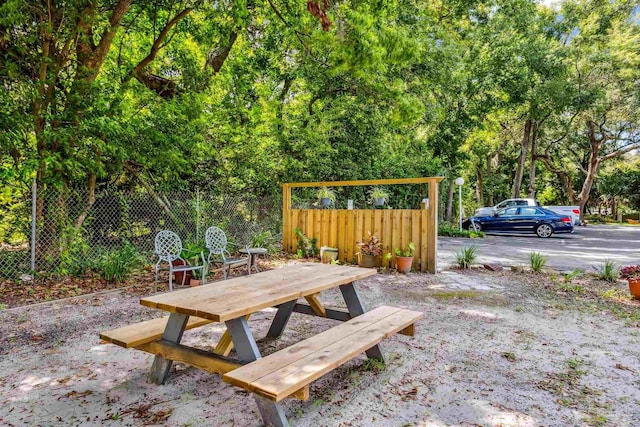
x=168 y=245
x=215 y=240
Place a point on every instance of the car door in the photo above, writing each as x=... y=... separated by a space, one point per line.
x=500 y=221
x=525 y=220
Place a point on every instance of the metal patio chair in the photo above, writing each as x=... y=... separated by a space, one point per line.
x=168 y=247
x=216 y=241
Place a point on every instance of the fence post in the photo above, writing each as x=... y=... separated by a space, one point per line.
x=34 y=201
x=198 y=214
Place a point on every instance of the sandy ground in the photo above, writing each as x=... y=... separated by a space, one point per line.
x=493 y=349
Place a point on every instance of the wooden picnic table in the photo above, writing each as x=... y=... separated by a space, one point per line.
x=281 y=374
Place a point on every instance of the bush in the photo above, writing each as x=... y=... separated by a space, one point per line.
x=538 y=261
x=115 y=266
x=466 y=256
x=450 y=230
x=608 y=271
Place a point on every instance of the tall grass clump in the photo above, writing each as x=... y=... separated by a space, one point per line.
x=465 y=257
x=608 y=271
x=115 y=266
x=538 y=261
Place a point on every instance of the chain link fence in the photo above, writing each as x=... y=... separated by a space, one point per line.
x=68 y=233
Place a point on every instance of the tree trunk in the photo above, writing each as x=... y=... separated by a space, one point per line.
x=450 y=200
x=524 y=147
x=532 y=161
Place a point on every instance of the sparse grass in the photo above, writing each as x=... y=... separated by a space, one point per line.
x=568 y=277
x=449 y=295
x=571 y=288
x=465 y=257
x=373 y=365
x=537 y=261
x=608 y=271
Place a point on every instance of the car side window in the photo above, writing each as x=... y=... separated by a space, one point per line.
x=501 y=205
x=539 y=212
x=528 y=211
x=508 y=212
x=522 y=203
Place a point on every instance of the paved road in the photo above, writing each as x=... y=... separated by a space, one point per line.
x=585 y=249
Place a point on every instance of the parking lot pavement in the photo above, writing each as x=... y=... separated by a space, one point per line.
x=586 y=249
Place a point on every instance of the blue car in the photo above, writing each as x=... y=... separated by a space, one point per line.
x=524 y=219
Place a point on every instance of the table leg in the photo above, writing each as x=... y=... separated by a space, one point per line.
x=281 y=319
x=172 y=333
x=356 y=308
x=247 y=350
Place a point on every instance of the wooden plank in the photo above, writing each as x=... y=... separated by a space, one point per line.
x=144 y=332
x=323 y=234
x=333 y=230
x=416 y=223
x=396 y=230
x=225 y=345
x=386 y=234
x=366 y=182
x=294 y=223
x=409 y=330
x=317 y=306
x=286 y=371
x=286 y=217
x=432 y=228
x=302 y=394
x=358 y=233
x=341 y=225
x=424 y=240
x=406 y=229
x=191 y=356
x=350 y=237
x=272 y=362
x=367 y=226
x=239 y=296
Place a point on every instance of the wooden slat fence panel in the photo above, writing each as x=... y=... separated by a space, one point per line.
x=342 y=228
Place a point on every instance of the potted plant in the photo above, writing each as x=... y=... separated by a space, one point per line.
x=378 y=196
x=404 y=259
x=632 y=274
x=370 y=250
x=326 y=196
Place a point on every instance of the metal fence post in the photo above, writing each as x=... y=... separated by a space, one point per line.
x=197 y=214
x=34 y=201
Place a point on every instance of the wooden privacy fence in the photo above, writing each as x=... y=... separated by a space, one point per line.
x=342 y=228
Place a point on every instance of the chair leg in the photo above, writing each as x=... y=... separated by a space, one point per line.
x=155 y=280
x=170 y=280
x=224 y=272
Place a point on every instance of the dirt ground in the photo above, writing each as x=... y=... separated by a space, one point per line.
x=493 y=349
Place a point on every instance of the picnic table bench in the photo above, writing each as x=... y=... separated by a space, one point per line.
x=287 y=372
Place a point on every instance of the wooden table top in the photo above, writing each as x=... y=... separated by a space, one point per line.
x=229 y=299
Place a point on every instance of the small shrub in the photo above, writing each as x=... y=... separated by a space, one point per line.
x=450 y=230
x=538 y=261
x=265 y=240
x=466 y=256
x=115 y=266
x=608 y=271
x=306 y=247
x=568 y=277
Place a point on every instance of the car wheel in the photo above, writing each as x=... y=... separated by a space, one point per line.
x=544 y=230
x=474 y=226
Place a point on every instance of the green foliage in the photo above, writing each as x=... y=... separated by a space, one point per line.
x=568 y=277
x=449 y=230
x=117 y=265
x=466 y=256
x=306 y=247
x=408 y=252
x=326 y=193
x=378 y=193
x=267 y=240
x=537 y=261
x=608 y=271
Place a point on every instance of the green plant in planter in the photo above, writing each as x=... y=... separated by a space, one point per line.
x=306 y=247
x=378 y=196
x=325 y=193
x=408 y=253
